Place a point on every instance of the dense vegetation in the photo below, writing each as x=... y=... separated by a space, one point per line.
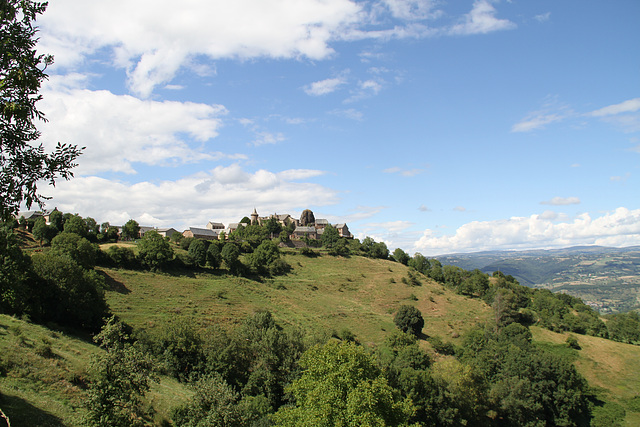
x=261 y=373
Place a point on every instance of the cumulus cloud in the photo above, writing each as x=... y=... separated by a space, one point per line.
x=481 y=20
x=120 y=130
x=153 y=39
x=617 y=228
x=224 y=194
x=562 y=201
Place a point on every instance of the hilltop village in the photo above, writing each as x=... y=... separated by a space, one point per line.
x=307 y=226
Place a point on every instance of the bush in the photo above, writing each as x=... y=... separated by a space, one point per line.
x=409 y=319
x=198 y=252
x=154 y=251
x=572 y=342
x=122 y=257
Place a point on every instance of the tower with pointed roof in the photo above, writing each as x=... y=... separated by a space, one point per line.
x=254 y=217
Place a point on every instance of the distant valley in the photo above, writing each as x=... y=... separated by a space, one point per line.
x=606 y=278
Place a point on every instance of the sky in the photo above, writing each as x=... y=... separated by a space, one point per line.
x=434 y=126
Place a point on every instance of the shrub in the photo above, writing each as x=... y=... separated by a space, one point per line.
x=122 y=257
x=409 y=319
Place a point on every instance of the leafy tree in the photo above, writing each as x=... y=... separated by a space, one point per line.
x=273 y=226
x=625 y=327
x=55 y=220
x=401 y=256
x=198 y=252
x=92 y=229
x=231 y=257
x=214 y=403
x=76 y=224
x=420 y=263
x=252 y=234
x=180 y=347
x=121 y=376
x=436 y=272
x=342 y=385
x=76 y=296
x=15 y=283
x=409 y=319
x=177 y=237
x=77 y=248
x=122 y=256
x=42 y=232
x=154 y=251
x=131 y=230
x=214 y=258
x=112 y=234
x=185 y=243
x=22 y=71
x=330 y=236
x=264 y=256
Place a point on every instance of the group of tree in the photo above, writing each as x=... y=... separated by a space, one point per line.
x=60 y=222
x=261 y=374
x=58 y=286
x=558 y=312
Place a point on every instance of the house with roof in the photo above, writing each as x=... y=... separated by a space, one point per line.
x=166 y=232
x=202 y=233
x=343 y=231
x=215 y=225
x=301 y=232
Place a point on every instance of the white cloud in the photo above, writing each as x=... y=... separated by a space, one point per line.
x=324 y=87
x=543 y=17
x=412 y=9
x=618 y=228
x=349 y=113
x=460 y=209
x=629 y=106
x=481 y=20
x=264 y=138
x=552 y=111
x=404 y=172
x=562 y=201
x=224 y=194
x=119 y=131
x=424 y=208
x=536 y=120
x=153 y=39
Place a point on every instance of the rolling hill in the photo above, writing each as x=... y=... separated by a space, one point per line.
x=606 y=278
x=44 y=370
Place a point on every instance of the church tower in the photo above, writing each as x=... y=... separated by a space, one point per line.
x=254 y=217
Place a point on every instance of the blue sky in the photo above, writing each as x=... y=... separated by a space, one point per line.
x=434 y=126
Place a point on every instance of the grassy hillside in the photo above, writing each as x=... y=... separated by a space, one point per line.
x=321 y=294
x=609 y=366
x=43 y=371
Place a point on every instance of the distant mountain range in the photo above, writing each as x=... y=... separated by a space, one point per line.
x=605 y=277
